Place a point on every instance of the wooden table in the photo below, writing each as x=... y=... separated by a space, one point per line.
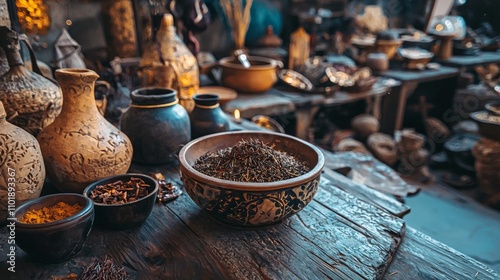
x=339 y=235
x=409 y=82
x=304 y=106
x=465 y=63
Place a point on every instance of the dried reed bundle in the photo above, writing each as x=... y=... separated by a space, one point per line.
x=238 y=18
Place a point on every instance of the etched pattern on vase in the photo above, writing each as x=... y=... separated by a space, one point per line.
x=80 y=146
x=21 y=165
x=31 y=101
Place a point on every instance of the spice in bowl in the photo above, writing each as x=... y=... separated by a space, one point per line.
x=53 y=213
x=251 y=161
x=120 y=192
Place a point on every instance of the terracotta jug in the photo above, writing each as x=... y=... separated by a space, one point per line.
x=81 y=146
x=21 y=165
x=31 y=101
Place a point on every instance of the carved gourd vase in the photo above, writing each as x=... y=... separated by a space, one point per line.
x=81 y=146
x=31 y=101
x=22 y=171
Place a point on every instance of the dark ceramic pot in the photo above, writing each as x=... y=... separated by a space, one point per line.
x=59 y=240
x=128 y=215
x=156 y=124
x=207 y=117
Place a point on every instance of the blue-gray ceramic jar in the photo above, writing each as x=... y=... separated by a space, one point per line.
x=207 y=117
x=156 y=124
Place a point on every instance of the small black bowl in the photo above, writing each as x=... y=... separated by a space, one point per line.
x=59 y=240
x=128 y=215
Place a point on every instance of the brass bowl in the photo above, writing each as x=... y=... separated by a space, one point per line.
x=259 y=77
x=248 y=204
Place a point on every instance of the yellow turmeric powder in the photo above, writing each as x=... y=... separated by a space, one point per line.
x=55 y=212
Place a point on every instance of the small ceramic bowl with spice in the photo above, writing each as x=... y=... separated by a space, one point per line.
x=54 y=228
x=249 y=179
x=122 y=201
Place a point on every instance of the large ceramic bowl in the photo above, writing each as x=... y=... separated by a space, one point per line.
x=59 y=240
x=260 y=77
x=243 y=204
x=128 y=215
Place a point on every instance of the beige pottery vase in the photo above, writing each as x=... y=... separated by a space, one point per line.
x=31 y=101
x=80 y=146
x=22 y=171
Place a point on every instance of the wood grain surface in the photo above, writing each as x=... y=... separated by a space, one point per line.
x=337 y=236
x=421 y=257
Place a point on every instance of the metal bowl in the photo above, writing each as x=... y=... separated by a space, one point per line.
x=295 y=79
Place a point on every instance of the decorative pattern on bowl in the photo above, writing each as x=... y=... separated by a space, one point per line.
x=250 y=209
x=250 y=204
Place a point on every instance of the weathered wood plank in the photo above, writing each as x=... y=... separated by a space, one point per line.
x=336 y=236
x=367 y=194
x=265 y=103
x=421 y=257
x=371 y=172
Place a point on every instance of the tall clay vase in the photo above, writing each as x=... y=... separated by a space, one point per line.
x=80 y=146
x=156 y=124
x=22 y=172
x=31 y=101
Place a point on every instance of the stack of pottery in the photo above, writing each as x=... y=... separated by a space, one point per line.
x=383 y=147
x=487 y=165
x=81 y=146
x=412 y=154
x=31 y=101
x=22 y=170
x=156 y=124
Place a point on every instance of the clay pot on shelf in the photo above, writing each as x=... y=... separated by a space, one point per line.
x=258 y=78
x=21 y=165
x=207 y=117
x=156 y=124
x=31 y=101
x=81 y=146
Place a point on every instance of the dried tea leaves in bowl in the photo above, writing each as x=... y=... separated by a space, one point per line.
x=251 y=161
